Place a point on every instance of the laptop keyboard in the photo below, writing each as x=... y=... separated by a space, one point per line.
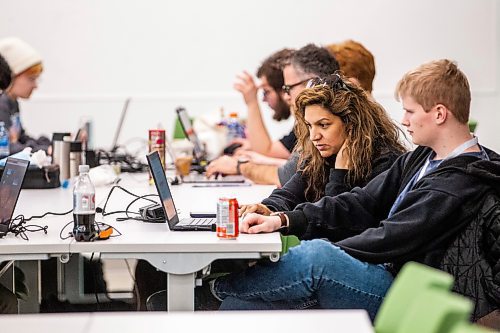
x=197 y=221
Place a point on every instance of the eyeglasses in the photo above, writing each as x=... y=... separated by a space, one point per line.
x=333 y=81
x=288 y=87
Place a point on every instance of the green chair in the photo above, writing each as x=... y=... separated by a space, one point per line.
x=420 y=301
x=411 y=281
x=435 y=311
x=287 y=242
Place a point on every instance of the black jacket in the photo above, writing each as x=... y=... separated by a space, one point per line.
x=293 y=192
x=473 y=259
x=426 y=221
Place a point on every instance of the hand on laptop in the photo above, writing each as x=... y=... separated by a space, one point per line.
x=255 y=208
x=225 y=165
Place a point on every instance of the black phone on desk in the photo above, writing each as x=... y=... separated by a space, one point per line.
x=202 y=214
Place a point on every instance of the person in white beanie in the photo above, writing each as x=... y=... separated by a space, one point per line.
x=26 y=66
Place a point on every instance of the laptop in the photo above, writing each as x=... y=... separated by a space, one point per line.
x=200 y=155
x=167 y=202
x=114 y=146
x=187 y=128
x=10 y=187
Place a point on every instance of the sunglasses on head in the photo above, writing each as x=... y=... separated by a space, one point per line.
x=333 y=81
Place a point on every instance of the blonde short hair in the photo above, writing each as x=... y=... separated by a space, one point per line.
x=438 y=82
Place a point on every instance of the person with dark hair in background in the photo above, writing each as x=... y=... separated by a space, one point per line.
x=8 y=301
x=26 y=66
x=411 y=212
x=308 y=62
x=345 y=138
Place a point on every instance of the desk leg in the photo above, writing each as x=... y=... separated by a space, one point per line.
x=180 y=292
x=31 y=269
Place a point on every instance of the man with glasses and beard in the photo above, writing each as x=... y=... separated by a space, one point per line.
x=308 y=62
x=270 y=74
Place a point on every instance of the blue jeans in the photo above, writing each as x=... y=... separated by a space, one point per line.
x=314 y=273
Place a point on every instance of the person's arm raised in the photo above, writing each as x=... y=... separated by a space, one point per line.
x=259 y=138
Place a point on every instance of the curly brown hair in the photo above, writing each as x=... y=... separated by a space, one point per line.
x=369 y=131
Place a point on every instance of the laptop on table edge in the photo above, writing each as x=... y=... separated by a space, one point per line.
x=167 y=202
x=10 y=186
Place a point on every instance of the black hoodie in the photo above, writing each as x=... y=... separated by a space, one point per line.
x=426 y=221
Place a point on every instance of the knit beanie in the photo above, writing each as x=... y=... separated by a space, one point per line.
x=19 y=55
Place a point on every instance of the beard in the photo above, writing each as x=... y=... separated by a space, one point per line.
x=282 y=111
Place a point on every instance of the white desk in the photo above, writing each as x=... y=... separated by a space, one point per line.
x=179 y=254
x=318 y=321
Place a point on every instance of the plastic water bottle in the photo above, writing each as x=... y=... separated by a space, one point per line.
x=84 y=207
x=234 y=128
x=4 y=141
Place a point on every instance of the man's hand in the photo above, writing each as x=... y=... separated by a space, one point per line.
x=247 y=87
x=245 y=145
x=255 y=208
x=224 y=165
x=254 y=223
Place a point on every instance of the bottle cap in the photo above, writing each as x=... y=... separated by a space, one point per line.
x=83 y=168
x=233 y=115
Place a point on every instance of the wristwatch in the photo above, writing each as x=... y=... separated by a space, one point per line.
x=239 y=163
x=283 y=218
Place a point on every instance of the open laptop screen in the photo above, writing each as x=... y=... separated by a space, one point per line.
x=162 y=187
x=10 y=186
x=188 y=129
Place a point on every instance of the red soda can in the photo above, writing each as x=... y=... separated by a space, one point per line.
x=227 y=218
x=156 y=142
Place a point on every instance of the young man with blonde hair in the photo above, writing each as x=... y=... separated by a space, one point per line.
x=413 y=212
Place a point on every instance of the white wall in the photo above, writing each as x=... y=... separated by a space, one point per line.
x=168 y=53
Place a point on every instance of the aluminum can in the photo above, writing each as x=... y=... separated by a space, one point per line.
x=227 y=218
x=156 y=142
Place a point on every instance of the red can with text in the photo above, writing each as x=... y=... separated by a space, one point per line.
x=156 y=142
x=227 y=218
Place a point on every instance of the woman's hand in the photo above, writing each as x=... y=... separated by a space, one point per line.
x=342 y=159
x=255 y=208
x=255 y=223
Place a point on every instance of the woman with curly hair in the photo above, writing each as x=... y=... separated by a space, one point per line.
x=344 y=139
